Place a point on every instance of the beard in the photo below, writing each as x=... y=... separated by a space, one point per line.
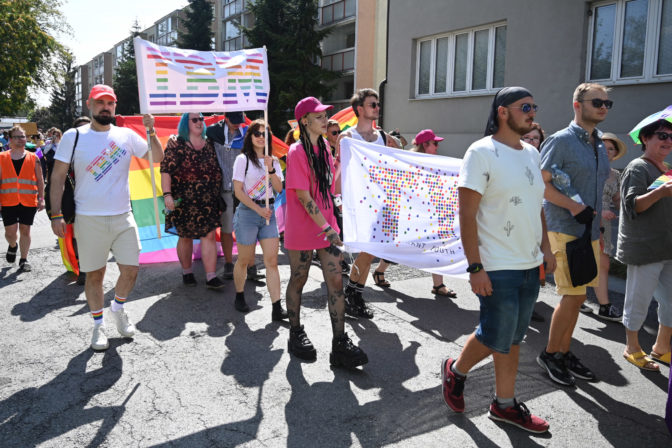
x=522 y=130
x=104 y=120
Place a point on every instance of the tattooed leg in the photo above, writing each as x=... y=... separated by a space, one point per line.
x=330 y=259
x=299 y=264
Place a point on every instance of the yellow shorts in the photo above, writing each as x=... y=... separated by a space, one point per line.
x=563 y=283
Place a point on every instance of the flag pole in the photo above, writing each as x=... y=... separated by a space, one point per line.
x=151 y=172
x=268 y=176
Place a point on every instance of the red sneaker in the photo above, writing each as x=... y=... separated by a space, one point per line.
x=453 y=387
x=518 y=415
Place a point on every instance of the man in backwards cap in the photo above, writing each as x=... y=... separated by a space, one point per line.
x=101 y=158
x=504 y=238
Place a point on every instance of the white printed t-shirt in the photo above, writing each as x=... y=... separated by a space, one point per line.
x=254 y=183
x=102 y=162
x=509 y=214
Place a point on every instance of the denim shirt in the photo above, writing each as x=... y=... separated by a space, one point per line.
x=570 y=149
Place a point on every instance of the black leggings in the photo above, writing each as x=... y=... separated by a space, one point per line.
x=299 y=263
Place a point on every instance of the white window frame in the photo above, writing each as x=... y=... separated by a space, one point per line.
x=450 y=73
x=653 y=22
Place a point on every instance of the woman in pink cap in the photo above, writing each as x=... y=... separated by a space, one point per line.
x=427 y=142
x=311 y=225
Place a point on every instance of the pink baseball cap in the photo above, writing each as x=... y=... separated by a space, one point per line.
x=426 y=135
x=101 y=90
x=309 y=105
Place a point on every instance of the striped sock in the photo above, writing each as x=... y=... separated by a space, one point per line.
x=117 y=303
x=97 y=316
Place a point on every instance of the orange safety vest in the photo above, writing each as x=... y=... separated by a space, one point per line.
x=21 y=189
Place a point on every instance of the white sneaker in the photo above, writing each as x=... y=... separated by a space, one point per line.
x=98 y=339
x=124 y=326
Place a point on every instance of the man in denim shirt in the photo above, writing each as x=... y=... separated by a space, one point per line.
x=578 y=151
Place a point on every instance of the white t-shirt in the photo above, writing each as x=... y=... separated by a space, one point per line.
x=509 y=214
x=254 y=183
x=102 y=161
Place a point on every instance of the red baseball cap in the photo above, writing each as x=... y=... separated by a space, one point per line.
x=426 y=135
x=101 y=90
x=309 y=105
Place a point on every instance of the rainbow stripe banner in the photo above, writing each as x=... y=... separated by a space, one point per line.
x=154 y=249
x=176 y=80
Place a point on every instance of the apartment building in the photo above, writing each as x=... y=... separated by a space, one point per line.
x=444 y=69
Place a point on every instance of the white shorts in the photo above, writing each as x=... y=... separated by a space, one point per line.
x=642 y=284
x=98 y=235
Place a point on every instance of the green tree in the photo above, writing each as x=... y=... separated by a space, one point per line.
x=42 y=116
x=288 y=28
x=198 y=26
x=26 y=48
x=63 y=106
x=126 y=78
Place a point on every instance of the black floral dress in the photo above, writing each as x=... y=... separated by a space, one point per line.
x=196 y=179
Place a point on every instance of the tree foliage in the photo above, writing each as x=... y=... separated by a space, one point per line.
x=63 y=108
x=42 y=117
x=27 y=44
x=126 y=79
x=198 y=23
x=288 y=28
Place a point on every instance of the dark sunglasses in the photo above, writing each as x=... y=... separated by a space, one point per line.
x=526 y=107
x=259 y=134
x=196 y=120
x=597 y=103
x=335 y=132
x=374 y=105
x=662 y=136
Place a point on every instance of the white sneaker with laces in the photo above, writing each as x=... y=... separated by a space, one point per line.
x=98 y=338
x=124 y=326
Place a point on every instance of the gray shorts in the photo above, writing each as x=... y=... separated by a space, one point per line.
x=227 y=216
x=642 y=284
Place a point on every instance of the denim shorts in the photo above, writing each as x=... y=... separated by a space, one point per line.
x=250 y=227
x=505 y=315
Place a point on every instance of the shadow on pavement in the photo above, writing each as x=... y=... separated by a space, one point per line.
x=62 y=292
x=35 y=415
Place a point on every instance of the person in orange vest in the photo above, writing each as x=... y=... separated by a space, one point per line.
x=21 y=195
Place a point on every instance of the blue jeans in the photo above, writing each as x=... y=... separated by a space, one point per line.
x=250 y=227
x=505 y=315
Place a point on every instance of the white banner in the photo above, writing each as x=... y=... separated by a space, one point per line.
x=402 y=206
x=174 y=80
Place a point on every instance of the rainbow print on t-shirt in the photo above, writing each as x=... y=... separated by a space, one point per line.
x=258 y=190
x=108 y=157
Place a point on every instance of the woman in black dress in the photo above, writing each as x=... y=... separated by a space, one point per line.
x=191 y=181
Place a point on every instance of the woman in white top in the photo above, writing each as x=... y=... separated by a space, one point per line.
x=253 y=220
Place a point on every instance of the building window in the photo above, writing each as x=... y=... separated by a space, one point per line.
x=462 y=62
x=231 y=36
x=335 y=10
x=630 y=41
x=231 y=8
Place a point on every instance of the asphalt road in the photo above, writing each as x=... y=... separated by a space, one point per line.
x=200 y=374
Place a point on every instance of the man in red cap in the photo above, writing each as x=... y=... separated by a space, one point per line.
x=366 y=106
x=100 y=155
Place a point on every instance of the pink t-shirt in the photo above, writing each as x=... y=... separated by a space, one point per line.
x=301 y=232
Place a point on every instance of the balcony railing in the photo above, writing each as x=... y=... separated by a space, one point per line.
x=339 y=62
x=337 y=11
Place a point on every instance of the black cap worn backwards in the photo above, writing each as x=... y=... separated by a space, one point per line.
x=506 y=96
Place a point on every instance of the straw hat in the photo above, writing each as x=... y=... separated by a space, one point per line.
x=620 y=146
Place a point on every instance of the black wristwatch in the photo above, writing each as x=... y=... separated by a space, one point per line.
x=272 y=172
x=474 y=268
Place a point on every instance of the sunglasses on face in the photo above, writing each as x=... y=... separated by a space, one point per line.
x=662 y=136
x=19 y=137
x=526 y=107
x=335 y=132
x=259 y=134
x=374 y=105
x=197 y=119
x=598 y=103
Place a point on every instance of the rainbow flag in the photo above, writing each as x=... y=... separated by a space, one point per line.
x=154 y=249
x=68 y=251
x=663 y=179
